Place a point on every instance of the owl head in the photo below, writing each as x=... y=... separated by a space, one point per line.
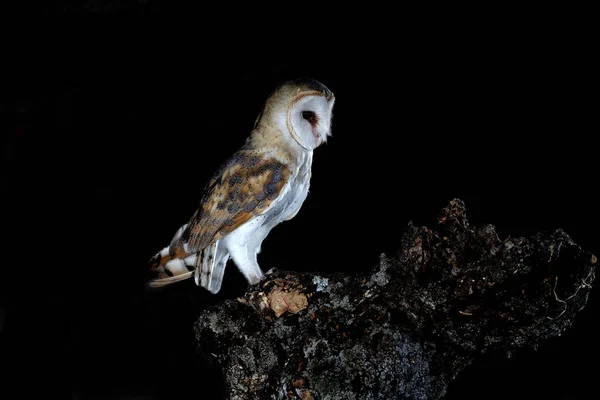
x=301 y=109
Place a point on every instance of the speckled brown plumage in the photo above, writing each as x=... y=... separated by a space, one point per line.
x=244 y=187
x=263 y=184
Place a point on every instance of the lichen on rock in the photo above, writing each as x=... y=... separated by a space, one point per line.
x=407 y=328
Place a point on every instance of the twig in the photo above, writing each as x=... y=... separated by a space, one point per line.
x=585 y=283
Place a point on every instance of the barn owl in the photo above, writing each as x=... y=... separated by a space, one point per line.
x=263 y=184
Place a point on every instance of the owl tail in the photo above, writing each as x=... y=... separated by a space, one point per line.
x=211 y=267
x=172 y=264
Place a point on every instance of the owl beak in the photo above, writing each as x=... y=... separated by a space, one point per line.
x=317 y=136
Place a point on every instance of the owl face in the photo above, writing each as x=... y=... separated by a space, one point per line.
x=309 y=119
x=303 y=110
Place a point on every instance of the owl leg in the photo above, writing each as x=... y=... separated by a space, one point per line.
x=245 y=256
x=243 y=244
x=245 y=260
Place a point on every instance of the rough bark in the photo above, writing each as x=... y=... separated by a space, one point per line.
x=407 y=328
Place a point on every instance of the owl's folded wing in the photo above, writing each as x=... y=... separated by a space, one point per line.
x=246 y=186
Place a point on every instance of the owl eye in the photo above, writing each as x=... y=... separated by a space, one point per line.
x=309 y=116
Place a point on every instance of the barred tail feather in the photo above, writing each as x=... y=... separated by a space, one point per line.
x=210 y=267
x=172 y=264
x=176 y=263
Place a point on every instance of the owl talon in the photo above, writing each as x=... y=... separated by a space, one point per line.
x=253 y=280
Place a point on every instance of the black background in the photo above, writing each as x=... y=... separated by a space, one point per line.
x=108 y=141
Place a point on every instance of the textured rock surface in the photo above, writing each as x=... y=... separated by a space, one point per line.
x=406 y=329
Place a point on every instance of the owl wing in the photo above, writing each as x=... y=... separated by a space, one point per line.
x=244 y=187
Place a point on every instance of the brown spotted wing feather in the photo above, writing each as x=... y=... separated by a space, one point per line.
x=243 y=187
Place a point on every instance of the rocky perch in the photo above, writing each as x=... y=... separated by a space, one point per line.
x=406 y=329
